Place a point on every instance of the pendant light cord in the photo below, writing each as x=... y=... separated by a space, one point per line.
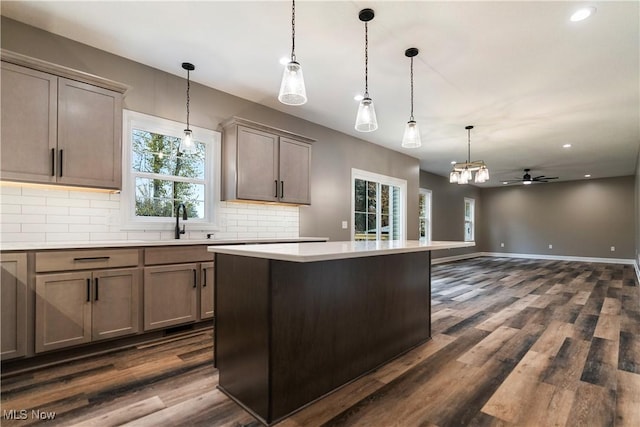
x=366 y=61
x=411 y=118
x=293 y=30
x=468 y=145
x=188 y=87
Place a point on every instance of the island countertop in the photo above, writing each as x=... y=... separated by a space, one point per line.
x=323 y=251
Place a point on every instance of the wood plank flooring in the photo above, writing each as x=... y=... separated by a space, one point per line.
x=515 y=343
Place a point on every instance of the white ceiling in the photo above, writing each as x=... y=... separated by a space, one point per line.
x=527 y=78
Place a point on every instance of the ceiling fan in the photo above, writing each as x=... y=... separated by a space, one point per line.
x=528 y=179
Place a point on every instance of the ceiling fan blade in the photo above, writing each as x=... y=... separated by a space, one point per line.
x=538 y=177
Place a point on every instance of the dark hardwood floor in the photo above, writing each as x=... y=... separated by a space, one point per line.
x=515 y=343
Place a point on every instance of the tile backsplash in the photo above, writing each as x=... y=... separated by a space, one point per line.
x=30 y=214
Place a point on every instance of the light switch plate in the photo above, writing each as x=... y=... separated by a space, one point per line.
x=345 y=225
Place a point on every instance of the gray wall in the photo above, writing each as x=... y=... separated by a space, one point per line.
x=579 y=218
x=161 y=94
x=637 y=211
x=447 y=212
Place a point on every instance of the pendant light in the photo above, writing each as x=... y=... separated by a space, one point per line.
x=292 y=90
x=411 y=137
x=366 y=119
x=462 y=173
x=187 y=145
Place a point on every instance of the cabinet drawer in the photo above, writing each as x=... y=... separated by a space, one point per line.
x=86 y=259
x=176 y=255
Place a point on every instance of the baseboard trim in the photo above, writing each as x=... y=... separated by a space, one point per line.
x=561 y=257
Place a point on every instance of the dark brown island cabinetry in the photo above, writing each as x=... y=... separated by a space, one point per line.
x=85 y=296
x=265 y=164
x=287 y=333
x=59 y=126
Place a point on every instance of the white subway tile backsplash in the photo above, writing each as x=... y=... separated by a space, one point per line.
x=108 y=204
x=45 y=228
x=23 y=219
x=45 y=192
x=40 y=215
x=68 y=237
x=88 y=228
x=10 y=189
x=10 y=228
x=10 y=209
x=77 y=203
x=68 y=219
x=23 y=237
x=49 y=210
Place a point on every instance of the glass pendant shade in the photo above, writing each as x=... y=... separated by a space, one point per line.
x=187 y=145
x=366 y=119
x=411 y=138
x=292 y=90
x=454 y=177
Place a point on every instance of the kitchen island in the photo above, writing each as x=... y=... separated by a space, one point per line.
x=295 y=321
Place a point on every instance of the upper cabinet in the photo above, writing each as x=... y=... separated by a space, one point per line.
x=265 y=164
x=59 y=125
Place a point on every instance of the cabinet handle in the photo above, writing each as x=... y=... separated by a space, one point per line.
x=195 y=279
x=281 y=189
x=53 y=162
x=88 y=290
x=92 y=258
x=60 y=163
x=204 y=279
x=96 y=289
x=276 y=181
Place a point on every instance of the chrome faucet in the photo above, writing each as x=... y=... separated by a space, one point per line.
x=184 y=217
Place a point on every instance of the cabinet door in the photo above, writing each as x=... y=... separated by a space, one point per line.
x=170 y=295
x=29 y=124
x=257 y=157
x=89 y=135
x=206 y=290
x=63 y=310
x=14 y=306
x=295 y=167
x=116 y=303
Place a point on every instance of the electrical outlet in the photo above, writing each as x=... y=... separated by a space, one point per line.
x=550 y=246
x=502 y=245
x=345 y=225
x=613 y=248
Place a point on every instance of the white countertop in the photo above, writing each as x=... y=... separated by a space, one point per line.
x=308 y=252
x=25 y=246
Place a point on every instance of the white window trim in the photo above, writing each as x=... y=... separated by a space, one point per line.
x=212 y=140
x=429 y=194
x=383 y=179
x=472 y=202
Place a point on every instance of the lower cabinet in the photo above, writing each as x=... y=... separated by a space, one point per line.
x=206 y=290
x=14 y=305
x=170 y=295
x=80 y=307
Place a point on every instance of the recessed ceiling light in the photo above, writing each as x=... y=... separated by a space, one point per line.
x=358 y=97
x=566 y=146
x=582 y=14
x=505 y=182
x=284 y=60
x=587 y=175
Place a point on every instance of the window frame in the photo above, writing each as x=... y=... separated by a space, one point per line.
x=423 y=192
x=212 y=140
x=383 y=180
x=471 y=221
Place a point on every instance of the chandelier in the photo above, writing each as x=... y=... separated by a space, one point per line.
x=462 y=173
